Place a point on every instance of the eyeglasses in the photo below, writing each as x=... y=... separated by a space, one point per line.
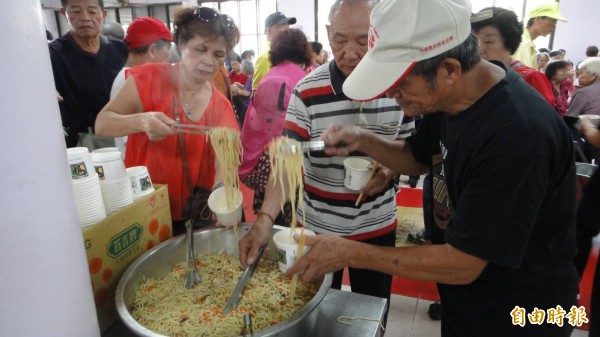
x=209 y=15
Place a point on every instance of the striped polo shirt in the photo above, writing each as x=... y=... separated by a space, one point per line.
x=318 y=102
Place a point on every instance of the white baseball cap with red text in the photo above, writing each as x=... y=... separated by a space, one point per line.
x=401 y=33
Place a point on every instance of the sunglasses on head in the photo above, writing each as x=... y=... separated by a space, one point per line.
x=209 y=15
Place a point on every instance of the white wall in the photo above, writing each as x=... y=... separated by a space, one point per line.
x=580 y=31
x=303 y=11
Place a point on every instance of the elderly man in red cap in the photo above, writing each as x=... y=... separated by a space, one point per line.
x=542 y=21
x=148 y=40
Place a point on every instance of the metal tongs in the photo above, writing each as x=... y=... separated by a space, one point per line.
x=236 y=296
x=192 y=128
x=192 y=275
x=247 y=328
x=313 y=145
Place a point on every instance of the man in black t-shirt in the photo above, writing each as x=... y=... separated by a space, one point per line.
x=84 y=64
x=502 y=170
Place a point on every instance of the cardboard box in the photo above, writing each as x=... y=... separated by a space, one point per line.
x=115 y=242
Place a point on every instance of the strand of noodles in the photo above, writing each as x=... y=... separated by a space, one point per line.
x=164 y=306
x=228 y=150
x=288 y=164
x=298 y=256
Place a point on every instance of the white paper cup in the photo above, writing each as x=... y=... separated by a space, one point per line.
x=218 y=205
x=80 y=163
x=401 y=235
x=109 y=166
x=106 y=149
x=287 y=247
x=111 y=149
x=356 y=173
x=594 y=119
x=140 y=181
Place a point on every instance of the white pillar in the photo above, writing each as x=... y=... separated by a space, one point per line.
x=44 y=279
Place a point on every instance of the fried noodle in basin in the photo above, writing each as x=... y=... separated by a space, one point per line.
x=164 y=306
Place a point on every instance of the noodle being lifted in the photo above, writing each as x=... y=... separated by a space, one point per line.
x=288 y=152
x=228 y=150
x=163 y=306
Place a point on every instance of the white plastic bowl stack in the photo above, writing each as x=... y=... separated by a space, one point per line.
x=140 y=181
x=114 y=182
x=86 y=187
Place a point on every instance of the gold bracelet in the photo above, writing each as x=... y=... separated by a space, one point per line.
x=259 y=213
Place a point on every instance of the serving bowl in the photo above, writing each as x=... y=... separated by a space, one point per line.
x=160 y=260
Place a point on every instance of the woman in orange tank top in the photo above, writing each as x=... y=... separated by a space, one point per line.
x=143 y=108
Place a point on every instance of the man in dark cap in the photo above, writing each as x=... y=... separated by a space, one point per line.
x=275 y=23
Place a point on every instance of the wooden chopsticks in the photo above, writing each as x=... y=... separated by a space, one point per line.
x=298 y=256
x=373 y=169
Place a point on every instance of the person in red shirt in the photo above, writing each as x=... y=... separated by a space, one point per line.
x=499 y=33
x=156 y=96
x=238 y=81
x=236 y=75
x=558 y=73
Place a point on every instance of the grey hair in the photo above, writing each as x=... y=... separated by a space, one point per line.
x=247 y=67
x=64 y=4
x=467 y=53
x=591 y=65
x=336 y=5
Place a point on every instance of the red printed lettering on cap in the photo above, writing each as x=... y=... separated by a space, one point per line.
x=435 y=45
x=373 y=35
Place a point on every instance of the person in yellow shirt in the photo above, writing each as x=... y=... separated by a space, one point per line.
x=542 y=21
x=274 y=23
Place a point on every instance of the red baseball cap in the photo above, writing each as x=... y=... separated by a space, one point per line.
x=145 y=31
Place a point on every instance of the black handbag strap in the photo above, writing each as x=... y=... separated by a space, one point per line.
x=179 y=134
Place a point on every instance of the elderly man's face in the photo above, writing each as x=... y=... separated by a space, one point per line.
x=348 y=35
x=85 y=17
x=416 y=95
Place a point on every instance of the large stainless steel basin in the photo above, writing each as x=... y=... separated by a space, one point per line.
x=159 y=261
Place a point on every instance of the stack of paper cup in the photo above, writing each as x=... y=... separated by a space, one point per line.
x=86 y=187
x=114 y=182
x=140 y=181
x=108 y=149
